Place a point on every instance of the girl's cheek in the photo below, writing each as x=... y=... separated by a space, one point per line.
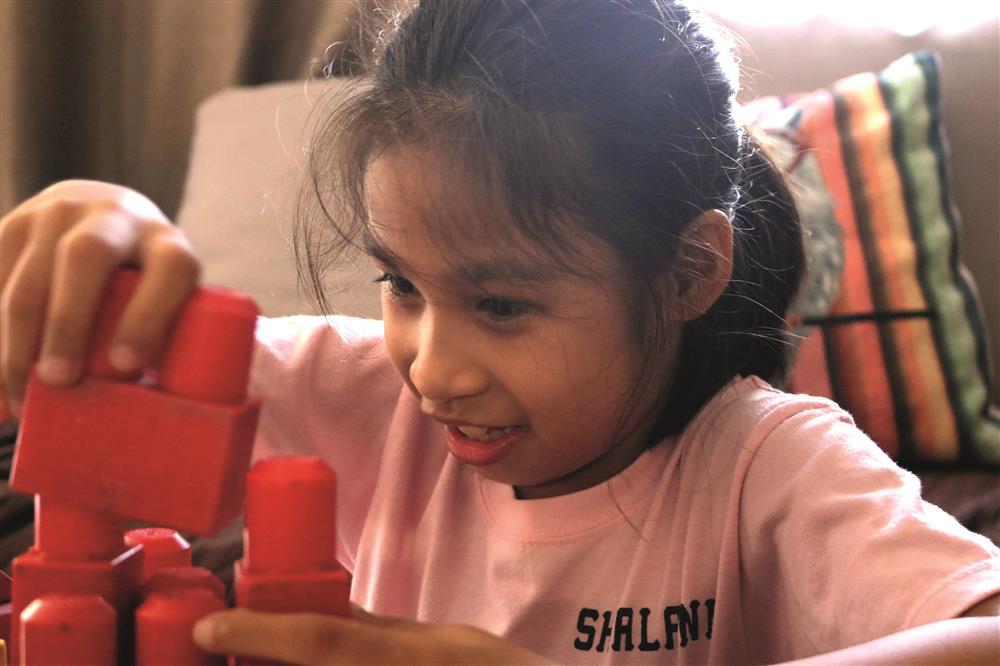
x=396 y=339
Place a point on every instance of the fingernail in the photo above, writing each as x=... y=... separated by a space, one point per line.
x=124 y=358
x=55 y=370
x=204 y=633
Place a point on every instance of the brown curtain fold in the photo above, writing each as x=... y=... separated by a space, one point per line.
x=108 y=89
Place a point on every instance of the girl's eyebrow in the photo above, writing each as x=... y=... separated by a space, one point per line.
x=476 y=272
x=376 y=251
x=505 y=271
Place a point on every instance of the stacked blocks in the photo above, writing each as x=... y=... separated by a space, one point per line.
x=75 y=553
x=169 y=447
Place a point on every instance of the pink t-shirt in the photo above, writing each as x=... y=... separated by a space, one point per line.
x=770 y=529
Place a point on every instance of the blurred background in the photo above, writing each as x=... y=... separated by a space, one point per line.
x=109 y=89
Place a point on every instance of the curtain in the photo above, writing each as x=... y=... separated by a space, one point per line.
x=108 y=89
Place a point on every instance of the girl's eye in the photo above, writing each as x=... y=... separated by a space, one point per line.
x=500 y=309
x=398 y=286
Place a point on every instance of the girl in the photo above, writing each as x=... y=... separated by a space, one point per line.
x=562 y=444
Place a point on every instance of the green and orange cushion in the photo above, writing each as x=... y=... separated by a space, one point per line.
x=902 y=345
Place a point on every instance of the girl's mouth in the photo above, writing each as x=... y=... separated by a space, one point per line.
x=484 y=434
x=477 y=445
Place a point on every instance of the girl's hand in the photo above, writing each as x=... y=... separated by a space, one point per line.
x=58 y=249
x=361 y=639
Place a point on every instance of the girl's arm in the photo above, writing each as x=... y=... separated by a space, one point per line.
x=365 y=638
x=322 y=640
x=971 y=639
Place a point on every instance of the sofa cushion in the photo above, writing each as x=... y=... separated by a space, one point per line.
x=242 y=189
x=903 y=347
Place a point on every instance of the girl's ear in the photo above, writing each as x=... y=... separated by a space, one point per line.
x=703 y=265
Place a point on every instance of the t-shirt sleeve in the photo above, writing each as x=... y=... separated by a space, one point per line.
x=837 y=546
x=327 y=389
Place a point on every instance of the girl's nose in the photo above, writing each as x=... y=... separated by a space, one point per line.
x=444 y=366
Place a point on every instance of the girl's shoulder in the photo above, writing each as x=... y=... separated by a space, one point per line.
x=753 y=429
x=748 y=410
x=802 y=440
x=321 y=353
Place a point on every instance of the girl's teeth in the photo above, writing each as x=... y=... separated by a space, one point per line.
x=481 y=434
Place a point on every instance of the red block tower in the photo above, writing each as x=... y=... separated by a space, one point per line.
x=289 y=547
x=169 y=447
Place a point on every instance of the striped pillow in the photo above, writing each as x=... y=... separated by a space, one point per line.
x=902 y=346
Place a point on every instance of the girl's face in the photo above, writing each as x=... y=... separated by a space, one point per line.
x=527 y=370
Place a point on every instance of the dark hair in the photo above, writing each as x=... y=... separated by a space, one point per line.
x=612 y=119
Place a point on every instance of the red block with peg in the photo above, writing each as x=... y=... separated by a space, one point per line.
x=163 y=626
x=162 y=548
x=76 y=552
x=171 y=448
x=69 y=630
x=184 y=578
x=289 y=560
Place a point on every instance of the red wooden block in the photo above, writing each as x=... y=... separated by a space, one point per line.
x=208 y=349
x=289 y=563
x=163 y=626
x=326 y=592
x=133 y=451
x=67 y=535
x=173 y=454
x=176 y=578
x=69 y=630
x=69 y=532
x=116 y=581
x=291 y=516
x=163 y=548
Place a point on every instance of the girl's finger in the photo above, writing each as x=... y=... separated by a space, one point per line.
x=14 y=232
x=23 y=304
x=292 y=638
x=86 y=257
x=170 y=272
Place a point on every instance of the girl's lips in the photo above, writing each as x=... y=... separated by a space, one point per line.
x=474 y=452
